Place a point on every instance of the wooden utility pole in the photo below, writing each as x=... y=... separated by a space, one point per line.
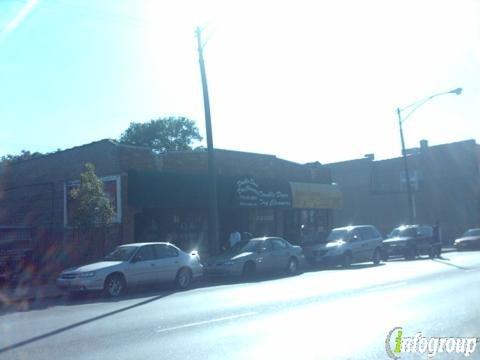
x=212 y=176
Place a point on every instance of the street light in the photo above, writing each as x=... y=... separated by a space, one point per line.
x=414 y=106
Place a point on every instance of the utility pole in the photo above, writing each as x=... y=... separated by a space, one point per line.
x=212 y=176
x=411 y=214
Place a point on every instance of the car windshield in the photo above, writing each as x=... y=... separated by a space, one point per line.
x=394 y=233
x=472 y=232
x=122 y=253
x=337 y=234
x=403 y=232
x=246 y=246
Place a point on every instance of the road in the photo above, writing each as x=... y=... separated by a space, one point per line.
x=327 y=314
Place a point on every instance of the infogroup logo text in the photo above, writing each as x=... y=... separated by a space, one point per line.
x=396 y=344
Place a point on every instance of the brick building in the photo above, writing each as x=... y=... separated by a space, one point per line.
x=445 y=181
x=161 y=197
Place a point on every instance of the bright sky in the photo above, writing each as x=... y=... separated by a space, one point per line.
x=303 y=80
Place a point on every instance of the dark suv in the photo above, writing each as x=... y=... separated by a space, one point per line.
x=410 y=241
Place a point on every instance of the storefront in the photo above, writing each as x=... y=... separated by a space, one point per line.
x=312 y=207
x=174 y=207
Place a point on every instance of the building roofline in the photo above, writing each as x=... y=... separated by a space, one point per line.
x=472 y=141
x=350 y=161
x=16 y=162
x=118 y=144
x=128 y=146
x=216 y=150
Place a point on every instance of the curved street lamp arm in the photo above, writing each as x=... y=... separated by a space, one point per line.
x=415 y=106
x=419 y=103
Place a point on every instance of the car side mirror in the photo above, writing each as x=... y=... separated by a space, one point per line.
x=136 y=258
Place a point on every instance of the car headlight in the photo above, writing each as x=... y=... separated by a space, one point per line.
x=87 y=274
x=335 y=244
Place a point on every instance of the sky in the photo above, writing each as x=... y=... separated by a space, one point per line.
x=302 y=80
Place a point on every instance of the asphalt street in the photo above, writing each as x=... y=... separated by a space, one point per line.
x=325 y=314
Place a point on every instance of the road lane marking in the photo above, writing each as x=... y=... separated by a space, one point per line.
x=199 y=323
x=385 y=287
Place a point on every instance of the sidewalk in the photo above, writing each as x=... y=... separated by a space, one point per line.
x=10 y=295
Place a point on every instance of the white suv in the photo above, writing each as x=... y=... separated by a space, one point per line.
x=347 y=245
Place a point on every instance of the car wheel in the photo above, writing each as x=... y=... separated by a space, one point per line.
x=184 y=278
x=347 y=260
x=376 y=257
x=114 y=286
x=292 y=266
x=248 y=270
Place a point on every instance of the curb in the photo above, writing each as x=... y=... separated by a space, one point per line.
x=16 y=295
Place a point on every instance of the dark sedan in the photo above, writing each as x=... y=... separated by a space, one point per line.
x=469 y=240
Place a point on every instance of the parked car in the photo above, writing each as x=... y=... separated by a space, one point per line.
x=410 y=241
x=134 y=264
x=347 y=245
x=257 y=255
x=469 y=240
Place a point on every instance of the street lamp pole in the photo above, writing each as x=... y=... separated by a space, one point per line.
x=414 y=106
x=212 y=176
x=405 y=165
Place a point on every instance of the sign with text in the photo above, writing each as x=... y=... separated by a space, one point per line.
x=253 y=193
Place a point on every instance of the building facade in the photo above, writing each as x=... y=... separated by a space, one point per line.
x=445 y=182
x=160 y=197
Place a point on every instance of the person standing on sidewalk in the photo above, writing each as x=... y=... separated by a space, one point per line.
x=436 y=233
x=234 y=238
x=437 y=238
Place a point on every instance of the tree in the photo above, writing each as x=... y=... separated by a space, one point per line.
x=24 y=155
x=164 y=134
x=93 y=208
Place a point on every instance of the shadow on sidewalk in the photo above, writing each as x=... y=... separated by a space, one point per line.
x=40 y=302
x=80 y=323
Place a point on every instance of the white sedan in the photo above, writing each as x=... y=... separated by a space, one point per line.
x=134 y=264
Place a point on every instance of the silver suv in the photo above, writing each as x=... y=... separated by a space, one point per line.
x=347 y=245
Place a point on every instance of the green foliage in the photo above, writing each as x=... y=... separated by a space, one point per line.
x=164 y=134
x=24 y=155
x=93 y=206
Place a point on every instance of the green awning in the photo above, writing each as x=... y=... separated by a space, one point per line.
x=154 y=189
x=172 y=190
